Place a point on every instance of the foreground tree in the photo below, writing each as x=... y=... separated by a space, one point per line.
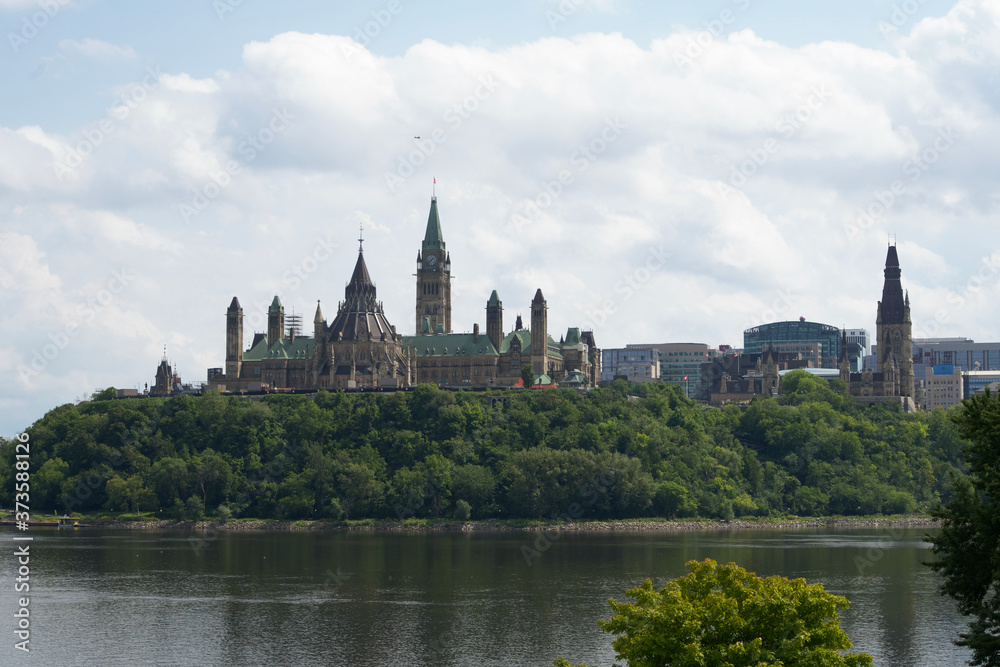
x=968 y=545
x=723 y=616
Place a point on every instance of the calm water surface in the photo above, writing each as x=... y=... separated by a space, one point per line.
x=143 y=598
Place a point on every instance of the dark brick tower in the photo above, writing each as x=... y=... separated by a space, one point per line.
x=494 y=320
x=539 y=334
x=234 y=339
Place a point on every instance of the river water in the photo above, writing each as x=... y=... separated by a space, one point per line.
x=333 y=598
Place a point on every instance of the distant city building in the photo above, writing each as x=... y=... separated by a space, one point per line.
x=858 y=347
x=762 y=380
x=974 y=382
x=964 y=352
x=796 y=336
x=680 y=363
x=943 y=386
x=636 y=365
x=861 y=338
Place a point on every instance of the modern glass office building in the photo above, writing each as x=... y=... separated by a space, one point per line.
x=680 y=363
x=964 y=352
x=783 y=335
x=638 y=365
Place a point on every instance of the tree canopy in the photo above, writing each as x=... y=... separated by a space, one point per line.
x=968 y=545
x=507 y=454
x=723 y=616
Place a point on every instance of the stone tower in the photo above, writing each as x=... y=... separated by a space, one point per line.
x=893 y=329
x=539 y=334
x=845 y=359
x=770 y=380
x=494 y=320
x=234 y=339
x=433 y=276
x=275 y=322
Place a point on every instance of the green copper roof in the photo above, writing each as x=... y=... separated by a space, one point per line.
x=494 y=299
x=573 y=336
x=276 y=304
x=449 y=345
x=575 y=378
x=300 y=348
x=524 y=335
x=433 y=238
x=521 y=334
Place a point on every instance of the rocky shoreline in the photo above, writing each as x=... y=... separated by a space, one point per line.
x=636 y=525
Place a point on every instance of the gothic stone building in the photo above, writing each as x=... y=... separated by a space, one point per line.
x=892 y=379
x=494 y=359
x=361 y=349
x=764 y=380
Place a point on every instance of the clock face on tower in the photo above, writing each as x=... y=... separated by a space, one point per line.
x=431 y=262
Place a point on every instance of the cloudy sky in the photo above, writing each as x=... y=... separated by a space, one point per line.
x=664 y=172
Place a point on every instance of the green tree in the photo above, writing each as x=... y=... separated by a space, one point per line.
x=462 y=510
x=106 y=394
x=969 y=540
x=722 y=615
x=358 y=487
x=527 y=376
x=194 y=509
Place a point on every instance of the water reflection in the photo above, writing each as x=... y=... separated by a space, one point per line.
x=120 y=598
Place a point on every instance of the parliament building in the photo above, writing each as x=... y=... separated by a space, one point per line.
x=360 y=349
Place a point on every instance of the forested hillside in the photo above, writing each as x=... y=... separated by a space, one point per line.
x=530 y=454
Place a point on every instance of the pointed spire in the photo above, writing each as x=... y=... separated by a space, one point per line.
x=494 y=299
x=892 y=304
x=275 y=304
x=319 y=314
x=360 y=276
x=538 y=296
x=433 y=238
x=235 y=305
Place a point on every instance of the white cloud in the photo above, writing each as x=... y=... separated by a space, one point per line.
x=97 y=49
x=750 y=165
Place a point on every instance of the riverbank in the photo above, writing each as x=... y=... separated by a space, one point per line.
x=443 y=526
